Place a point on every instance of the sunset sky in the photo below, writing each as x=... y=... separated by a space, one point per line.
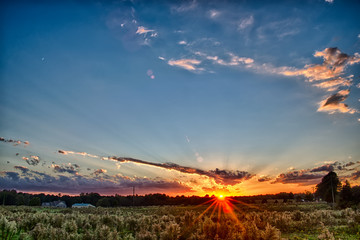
x=178 y=97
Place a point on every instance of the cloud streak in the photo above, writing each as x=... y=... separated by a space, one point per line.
x=188 y=64
x=220 y=176
x=14 y=142
x=77 y=153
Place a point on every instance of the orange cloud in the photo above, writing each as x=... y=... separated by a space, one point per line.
x=78 y=153
x=188 y=64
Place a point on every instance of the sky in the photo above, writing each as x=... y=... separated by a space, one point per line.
x=178 y=97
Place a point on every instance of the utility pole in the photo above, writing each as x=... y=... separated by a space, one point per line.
x=133 y=198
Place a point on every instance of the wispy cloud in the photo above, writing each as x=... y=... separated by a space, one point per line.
x=185 y=6
x=220 y=176
x=188 y=64
x=246 y=22
x=77 y=153
x=143 y=30
x=214 y=13
x=330 y=76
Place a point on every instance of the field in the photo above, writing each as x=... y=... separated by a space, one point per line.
x=262 y=221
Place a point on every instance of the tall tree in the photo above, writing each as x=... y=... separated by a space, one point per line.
x=328 y=188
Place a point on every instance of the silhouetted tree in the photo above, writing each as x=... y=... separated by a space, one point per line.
x=328 y=188
x=35 y=201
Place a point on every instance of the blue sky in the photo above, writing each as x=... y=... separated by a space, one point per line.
x=240 y=97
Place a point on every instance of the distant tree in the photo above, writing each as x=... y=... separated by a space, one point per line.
x=328 y=188
x=104 y=202
x=346 y=198
x=309 y=196
x=355 y=191
x=35 y=201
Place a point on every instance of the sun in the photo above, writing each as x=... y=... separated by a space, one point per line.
x=221 y=197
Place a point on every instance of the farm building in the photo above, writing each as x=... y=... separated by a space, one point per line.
x=59 y=204
x=82 y=205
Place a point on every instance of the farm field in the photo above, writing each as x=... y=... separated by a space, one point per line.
x=260 y=221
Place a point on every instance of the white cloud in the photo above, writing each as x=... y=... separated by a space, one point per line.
x=143 y=30
x=329 y=1
x=214 y=13
x=182 y=42
x=246 y=22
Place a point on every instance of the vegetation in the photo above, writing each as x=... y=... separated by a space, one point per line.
x=260 y=221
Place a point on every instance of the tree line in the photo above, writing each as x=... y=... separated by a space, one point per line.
x=329 y=189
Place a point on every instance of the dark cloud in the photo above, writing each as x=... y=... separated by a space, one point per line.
x=69 y=168
x=301 y=177
x=22 y=169
x=15 y=142
x=229 y=177
x=324 y=168
x=32 y=160
x=335 y=99
x=13 y=176
x=75 y=184
x=355 y=175
x=264 y=179
x=220 y=176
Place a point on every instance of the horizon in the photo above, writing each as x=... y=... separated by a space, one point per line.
x=179 y=97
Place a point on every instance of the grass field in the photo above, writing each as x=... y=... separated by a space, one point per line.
x=262 y=221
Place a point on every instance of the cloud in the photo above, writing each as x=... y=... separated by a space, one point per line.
x=97 y=172
x=279 y=29
x=313 y=176
x=12 y=176
x=246 y=22
x=68 y=168
x=334 y=103
x=185 y=6
x=76 y=184
x=330 y=76
x=143 y=30
x=264 y=179
x=301 y=177
x=188 y=64
x=220 y=176
x=214 y=13
x=22 y=169
x=324 y=168
x=77 y=153
x=125 y=26
x=355 y=175
x=329 y=1
x=32 y=160
x=15 y=142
